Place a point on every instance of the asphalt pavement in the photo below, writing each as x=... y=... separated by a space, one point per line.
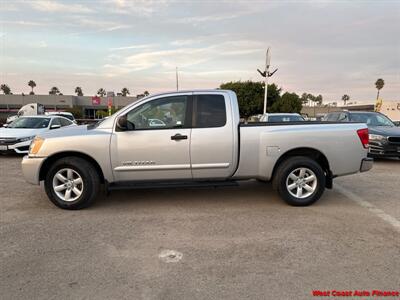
x=209 y=243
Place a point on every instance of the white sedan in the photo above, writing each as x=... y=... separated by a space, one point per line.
x=18 y=135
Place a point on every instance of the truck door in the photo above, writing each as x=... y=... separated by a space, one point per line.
x=158 y=146
x=213 y=136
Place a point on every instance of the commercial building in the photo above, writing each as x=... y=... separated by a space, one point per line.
x=88 y=106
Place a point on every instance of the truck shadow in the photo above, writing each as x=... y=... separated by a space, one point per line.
x=249 y=193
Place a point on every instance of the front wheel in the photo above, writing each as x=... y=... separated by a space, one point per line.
x=72 y=183
x=300 y=181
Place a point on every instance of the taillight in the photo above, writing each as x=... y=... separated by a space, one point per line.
x=364 y=137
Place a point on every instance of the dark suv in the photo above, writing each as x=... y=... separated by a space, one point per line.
x=384 y=136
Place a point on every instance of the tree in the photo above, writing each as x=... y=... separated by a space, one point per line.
x=5 y=88
x=101 y=92
x=32 y=84
x=318 y=100
x=305 y=98
x=250 y=96
x=345 y=98
x=288 y=103
x=76 y=111
x=101 y=114
x=78 y=91
x=379 y=85
x=146 y=93
x=54 y=91
x=125 y=92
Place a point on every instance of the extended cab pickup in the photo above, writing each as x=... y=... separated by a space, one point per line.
x=193 y=138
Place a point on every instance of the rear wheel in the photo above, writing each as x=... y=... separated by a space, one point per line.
x=300 y=181
x=72 y=183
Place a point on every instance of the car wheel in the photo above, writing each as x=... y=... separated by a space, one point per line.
x=72 y=183
x=300 y=181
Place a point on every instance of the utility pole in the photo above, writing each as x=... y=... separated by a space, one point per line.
x=177 y=81
x=266 y=74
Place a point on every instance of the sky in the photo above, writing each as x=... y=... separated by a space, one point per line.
x=320 y=47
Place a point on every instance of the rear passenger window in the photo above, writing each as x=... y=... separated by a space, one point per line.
x=56 y=121
x=210 y=111
x=65 y=122
x=333 y=117
x=343 y=117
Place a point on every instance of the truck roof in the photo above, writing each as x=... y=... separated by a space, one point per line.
x=189 y=91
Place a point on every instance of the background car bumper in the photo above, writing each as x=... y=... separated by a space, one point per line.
x=31 y=168
x=377 y=149
x=20 y=148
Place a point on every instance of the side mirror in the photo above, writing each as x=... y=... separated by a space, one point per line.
x=55 y=126
x=122 y=123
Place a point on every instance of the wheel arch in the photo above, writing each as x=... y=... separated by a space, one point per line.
x=51 y=159
x=312 y=153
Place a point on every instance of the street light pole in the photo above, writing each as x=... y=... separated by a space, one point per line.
x=266 y=74
x=177 y=82
x=267 y=63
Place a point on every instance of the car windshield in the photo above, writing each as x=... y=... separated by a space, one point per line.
x=285 y=118
x=371 y=119
x=30 y=123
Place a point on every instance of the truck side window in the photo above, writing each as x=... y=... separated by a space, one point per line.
x=210 y=111
x=163 y=113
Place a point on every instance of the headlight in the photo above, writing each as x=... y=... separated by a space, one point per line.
x=36 y=145
x=376 y=137
x=25 y=139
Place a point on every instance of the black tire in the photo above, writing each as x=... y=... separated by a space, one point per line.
x=90 y=178
x=290 y=165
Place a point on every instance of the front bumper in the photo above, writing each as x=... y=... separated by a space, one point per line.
x=366 y=164
x=31 y=168
x=20 y=148
x=384 y=149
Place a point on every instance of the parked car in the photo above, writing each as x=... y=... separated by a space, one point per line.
x=384 y=135
x=64 y=114
x=18 y=135
x=201 y=144
x=281 y=117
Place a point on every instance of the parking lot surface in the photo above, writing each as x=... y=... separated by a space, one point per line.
x=233 y=242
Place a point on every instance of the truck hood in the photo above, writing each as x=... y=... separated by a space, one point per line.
x=20 y=132
x=384 y=130
x=66 y=131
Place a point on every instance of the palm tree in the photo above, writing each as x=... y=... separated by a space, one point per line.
x=379 y=85
x=125 y=92
x=54 y=91
x=78 y=91
x=101 y=92
x=32 y=84
x=5 y=88
x=146 y=93
x=345 y=98
x=318 y=100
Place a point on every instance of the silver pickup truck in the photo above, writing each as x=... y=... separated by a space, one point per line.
x=193 y=138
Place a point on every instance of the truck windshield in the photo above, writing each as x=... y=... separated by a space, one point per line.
x=30 y=123
x=371 y=119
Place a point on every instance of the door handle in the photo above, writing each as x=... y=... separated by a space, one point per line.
x=178 y=137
